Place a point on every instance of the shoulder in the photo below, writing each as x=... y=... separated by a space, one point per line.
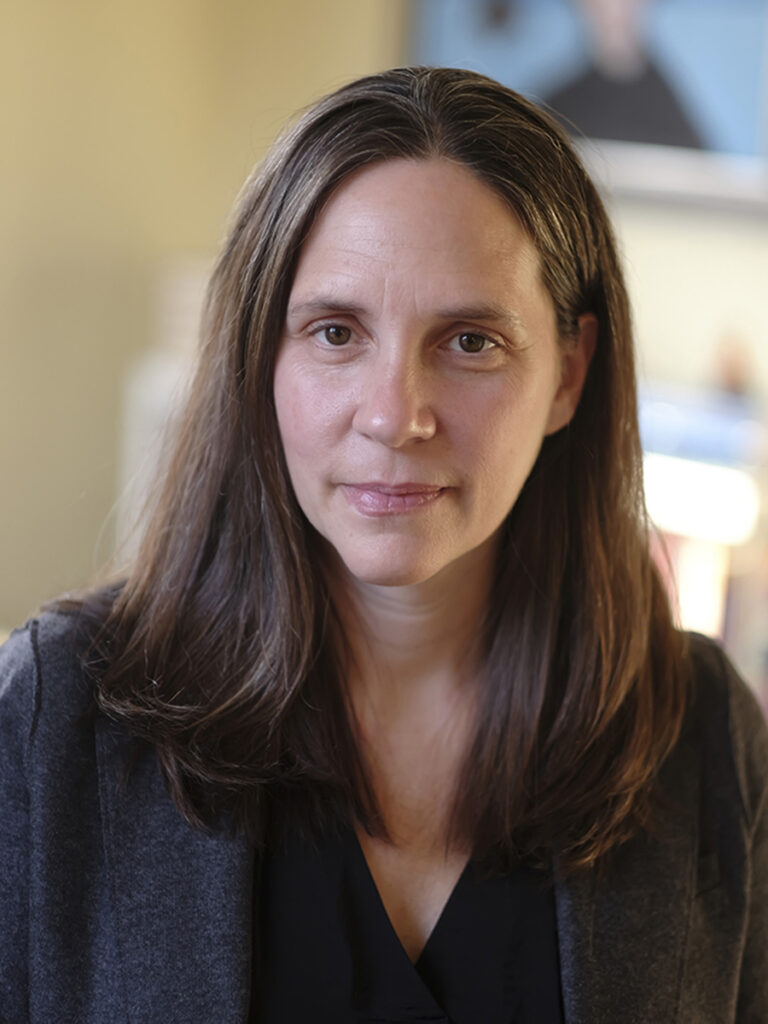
x=43 y=680
x=726 y=721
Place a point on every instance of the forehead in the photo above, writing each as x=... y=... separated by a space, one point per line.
x=407 y=191
x=429 y=219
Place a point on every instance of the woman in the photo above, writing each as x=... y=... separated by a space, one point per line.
x=389 y=720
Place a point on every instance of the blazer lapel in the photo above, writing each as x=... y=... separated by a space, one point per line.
x=622 y=926
x=181 y=898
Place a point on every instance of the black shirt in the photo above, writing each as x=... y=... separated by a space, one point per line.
x=327 y=953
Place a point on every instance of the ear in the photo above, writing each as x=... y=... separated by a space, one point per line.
x=575 y=356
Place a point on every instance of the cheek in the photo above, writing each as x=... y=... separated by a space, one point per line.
x=296 y=434
x=289 y=409
x=306 y=415
x=509 y=441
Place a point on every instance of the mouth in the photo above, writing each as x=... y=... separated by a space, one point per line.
x=380 y=499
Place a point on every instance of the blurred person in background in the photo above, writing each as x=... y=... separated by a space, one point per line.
x=388 y=719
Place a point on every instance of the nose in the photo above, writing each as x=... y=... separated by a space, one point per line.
x=395 y=405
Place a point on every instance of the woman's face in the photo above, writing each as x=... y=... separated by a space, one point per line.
x=419 y=369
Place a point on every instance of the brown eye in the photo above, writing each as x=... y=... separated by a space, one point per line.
x=469 y=342
x=335 y=334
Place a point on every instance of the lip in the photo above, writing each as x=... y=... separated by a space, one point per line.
x=374 y=498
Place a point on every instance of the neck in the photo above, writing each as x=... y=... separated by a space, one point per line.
x=415 y=642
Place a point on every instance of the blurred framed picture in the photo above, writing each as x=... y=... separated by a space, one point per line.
x=667 y=97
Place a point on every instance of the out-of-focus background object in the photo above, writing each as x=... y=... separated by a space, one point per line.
x=676 y=91
x=128 y=130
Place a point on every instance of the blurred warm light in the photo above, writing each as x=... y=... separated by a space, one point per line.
x=702 y=579
x=700 y=500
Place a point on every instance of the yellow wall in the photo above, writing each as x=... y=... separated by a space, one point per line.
x=127 y=129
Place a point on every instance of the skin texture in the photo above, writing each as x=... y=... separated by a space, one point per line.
x=418 y=373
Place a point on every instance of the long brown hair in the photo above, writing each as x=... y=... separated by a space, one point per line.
x=218 y=646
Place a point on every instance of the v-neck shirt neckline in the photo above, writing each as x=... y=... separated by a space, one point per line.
x=329 y=952
x=367 y=887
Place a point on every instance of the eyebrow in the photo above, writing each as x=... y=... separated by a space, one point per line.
x=485 y=312
x=324 y=304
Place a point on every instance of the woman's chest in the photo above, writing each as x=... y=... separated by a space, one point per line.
x=414 y=884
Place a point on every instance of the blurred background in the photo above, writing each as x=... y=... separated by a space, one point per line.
x=128 y=129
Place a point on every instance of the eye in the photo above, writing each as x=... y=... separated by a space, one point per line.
x=471 y=342
x=335 y=334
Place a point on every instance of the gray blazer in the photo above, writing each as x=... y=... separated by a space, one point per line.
x=114 y=910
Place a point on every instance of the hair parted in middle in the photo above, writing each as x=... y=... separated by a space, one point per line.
x=219 y=647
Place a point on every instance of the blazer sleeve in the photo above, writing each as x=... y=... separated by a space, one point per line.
x=19 y=683
x=750 y=744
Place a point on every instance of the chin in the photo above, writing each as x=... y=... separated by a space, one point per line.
x=390 y=572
